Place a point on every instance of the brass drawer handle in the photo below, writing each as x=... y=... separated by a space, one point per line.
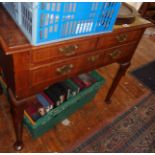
x=115 y=54
x=121 y=38
x=64 y=69
x=93 y=58
x=68 y=50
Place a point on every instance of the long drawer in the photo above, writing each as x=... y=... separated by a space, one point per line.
x=50 y=72
x=62 y=51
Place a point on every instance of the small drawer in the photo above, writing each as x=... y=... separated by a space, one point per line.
x=54 y=72
x=62 y=51
x=66 y=69
x=119 y=53
x=116 y=39
x=93 y=60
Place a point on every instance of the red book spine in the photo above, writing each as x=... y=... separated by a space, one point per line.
x=31 y=109
x=87 y=79
x=78 y=82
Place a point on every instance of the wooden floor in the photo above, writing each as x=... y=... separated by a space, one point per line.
x=90 y=118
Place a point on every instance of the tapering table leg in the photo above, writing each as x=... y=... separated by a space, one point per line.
x=18 y=114
x=121 y=72
x=1 y=90
x=17 y=110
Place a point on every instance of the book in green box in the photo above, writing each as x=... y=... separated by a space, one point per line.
x=64 y=110
x=74 y=88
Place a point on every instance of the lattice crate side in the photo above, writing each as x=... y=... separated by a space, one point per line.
x=29 y=14
x=107 y=16
x=68 y=23
x=14 y=9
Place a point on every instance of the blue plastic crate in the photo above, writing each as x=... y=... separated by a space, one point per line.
x=47 y=22
x=14 y=10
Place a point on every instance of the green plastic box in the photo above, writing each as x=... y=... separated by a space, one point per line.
x=64 y=110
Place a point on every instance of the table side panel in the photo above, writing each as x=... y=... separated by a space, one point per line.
x=6 y=64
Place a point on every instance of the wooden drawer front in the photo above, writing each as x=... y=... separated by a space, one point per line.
x=45 y=55
x=54 y=72
x=119 y=53
x=93 y=60
x=115 y=39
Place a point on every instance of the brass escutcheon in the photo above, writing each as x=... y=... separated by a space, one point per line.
x=121 y=38
x=64 y=69
x=68 y=50
x=115 y=54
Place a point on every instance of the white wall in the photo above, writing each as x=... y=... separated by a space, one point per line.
x=135 y=4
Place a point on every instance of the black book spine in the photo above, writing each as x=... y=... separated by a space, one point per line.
x=53 y=96
x=55 y=88
x=65 y=89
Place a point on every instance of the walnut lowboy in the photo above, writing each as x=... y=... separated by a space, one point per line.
x=28 y=69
